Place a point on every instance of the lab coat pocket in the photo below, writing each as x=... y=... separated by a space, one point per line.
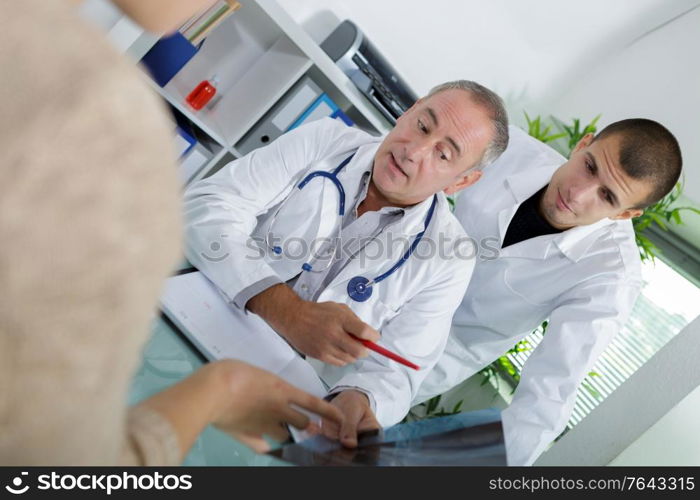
x=374 y=312
x=534 y=283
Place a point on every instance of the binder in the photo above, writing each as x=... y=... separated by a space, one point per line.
x=322 y=107
x=281 y=116
x=184 y=141
x=303 y=103
x=167 y=57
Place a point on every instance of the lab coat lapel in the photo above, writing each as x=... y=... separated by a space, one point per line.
x=349 y=177
x=520 y=187
x=575 y=242
x=390 y=245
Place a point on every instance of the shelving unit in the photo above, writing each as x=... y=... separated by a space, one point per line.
x=257 y=54
x=258 y=89
x=219 y=160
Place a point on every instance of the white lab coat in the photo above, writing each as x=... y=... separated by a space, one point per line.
x=585 y=280
x=412 y=309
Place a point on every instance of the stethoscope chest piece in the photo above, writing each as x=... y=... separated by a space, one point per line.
x=358 y=289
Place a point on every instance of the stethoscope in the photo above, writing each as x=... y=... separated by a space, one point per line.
x=359 y=288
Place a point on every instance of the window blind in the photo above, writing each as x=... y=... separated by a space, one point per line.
x=667 y=303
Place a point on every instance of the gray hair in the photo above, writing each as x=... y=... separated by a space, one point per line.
x=494 y=105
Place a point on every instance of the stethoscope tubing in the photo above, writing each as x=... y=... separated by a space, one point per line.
x=359 y=287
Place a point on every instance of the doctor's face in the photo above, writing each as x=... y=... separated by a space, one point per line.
x=592 y=186
x=432 y=146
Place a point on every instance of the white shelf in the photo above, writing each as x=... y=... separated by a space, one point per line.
x=181 y=106
x=259 y=89
x=252 y=76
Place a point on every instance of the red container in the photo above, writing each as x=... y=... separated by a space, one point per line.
x=201 y=94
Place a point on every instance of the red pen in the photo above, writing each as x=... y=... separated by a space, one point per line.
x=386 y=352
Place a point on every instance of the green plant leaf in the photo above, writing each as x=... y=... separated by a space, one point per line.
x=539 y=130
x=659 y=221
x=591 y=390
x=432 y=404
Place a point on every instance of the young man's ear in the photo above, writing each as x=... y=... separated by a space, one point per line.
x=585 y=141
x=470 y=178
x=630 y=213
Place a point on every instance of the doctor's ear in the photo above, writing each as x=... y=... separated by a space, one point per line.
x=470 y=178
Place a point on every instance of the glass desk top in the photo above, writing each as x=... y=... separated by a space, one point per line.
x=168 y=358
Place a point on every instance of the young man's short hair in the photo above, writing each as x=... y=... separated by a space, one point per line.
x=648 y=151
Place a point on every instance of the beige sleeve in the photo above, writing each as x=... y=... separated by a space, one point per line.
x=150 y=440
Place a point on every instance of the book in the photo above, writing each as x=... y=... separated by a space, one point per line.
x=219 y=331
x=197 y=28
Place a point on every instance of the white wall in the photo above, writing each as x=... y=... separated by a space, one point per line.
x=650 y=418
x=518 y=47
x=673 y=440
x=657 y=77
x=545 y=56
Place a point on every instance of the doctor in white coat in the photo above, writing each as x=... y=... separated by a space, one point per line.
x=262 y=229
x=557 y=242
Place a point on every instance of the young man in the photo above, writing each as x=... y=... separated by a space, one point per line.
x=326 y=181
x=565 y=251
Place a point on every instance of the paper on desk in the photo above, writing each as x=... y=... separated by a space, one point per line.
x=221 y=331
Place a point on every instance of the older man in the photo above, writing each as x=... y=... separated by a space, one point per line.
x=265 y=230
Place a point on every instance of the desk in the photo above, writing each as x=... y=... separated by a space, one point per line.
x=168 y=358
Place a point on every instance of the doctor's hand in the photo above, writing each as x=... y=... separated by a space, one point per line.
x=324 y=331
x=358 y=417
x=320 y=330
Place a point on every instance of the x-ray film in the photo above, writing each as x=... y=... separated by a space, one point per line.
x=465 y=439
